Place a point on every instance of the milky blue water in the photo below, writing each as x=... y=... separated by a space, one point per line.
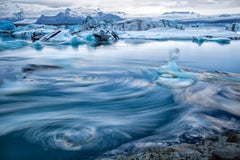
x=115 y=98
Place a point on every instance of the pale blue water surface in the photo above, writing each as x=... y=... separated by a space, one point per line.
x=107 y=99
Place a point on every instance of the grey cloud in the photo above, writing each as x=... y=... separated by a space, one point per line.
x=188 y=3
x=49 y=3
x=205 y=4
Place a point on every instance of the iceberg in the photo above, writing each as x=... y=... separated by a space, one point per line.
x=102 y=37
x=7 y=26
x=90 y=23
x=32 y=32
x=234 y=27
x=145 y=24
x=57 y=36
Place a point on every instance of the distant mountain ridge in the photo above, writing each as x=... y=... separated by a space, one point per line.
x=69 y=17
x=60 y=18
x=178 y=12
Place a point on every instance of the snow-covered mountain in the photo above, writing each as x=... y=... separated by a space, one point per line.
x=188 y=18
x=16 y=16
x=218 y=19
x=60 y=18
x=180 y=13
x=107 y=17
x=73 y=17
x=23 y=14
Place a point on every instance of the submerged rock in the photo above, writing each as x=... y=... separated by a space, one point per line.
x=35 y=67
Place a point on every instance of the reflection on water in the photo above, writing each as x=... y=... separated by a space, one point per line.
x=78 y=103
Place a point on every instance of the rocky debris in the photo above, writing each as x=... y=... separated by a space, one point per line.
x=225 y=146
x=35 y=67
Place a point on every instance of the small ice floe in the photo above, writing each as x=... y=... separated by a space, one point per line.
x=171 y=75
x=74 y=41
x=220 y=40
x=38 y=45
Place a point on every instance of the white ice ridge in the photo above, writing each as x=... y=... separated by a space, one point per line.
x=208 y=34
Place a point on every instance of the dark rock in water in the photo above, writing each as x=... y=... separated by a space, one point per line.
x=230 y=152
x=212 y=138
x=231 y=135
x=215 y=147
x=35 y=67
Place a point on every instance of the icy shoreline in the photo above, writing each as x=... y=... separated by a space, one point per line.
x=175 y=34
x=97 y=31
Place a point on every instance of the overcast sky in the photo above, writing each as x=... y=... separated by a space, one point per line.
x=131 y=7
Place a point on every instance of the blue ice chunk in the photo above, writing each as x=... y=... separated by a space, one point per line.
x=220 y=40
x=75 y=41
x=7 y=26
x=11 y=45
x=38 y=45
x=90 y=38
x=172 y=70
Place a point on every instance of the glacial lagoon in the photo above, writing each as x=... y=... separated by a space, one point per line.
x=83 y=102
